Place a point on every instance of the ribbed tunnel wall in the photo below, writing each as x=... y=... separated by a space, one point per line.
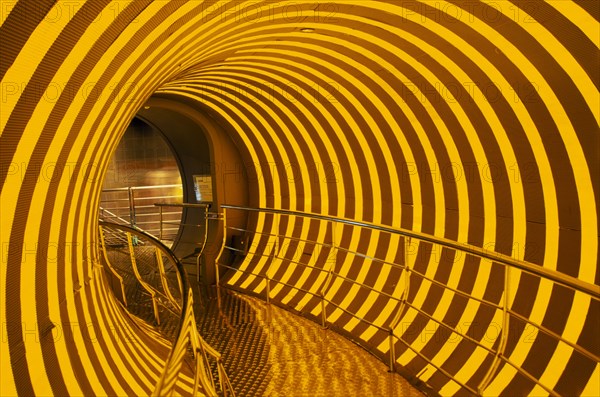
x=474 y=121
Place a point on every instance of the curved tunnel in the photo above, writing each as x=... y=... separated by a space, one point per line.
x=474 y=121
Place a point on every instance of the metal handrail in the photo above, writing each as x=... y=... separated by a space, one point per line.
x=124 y=189
x=374 y=259
x=137 y=204
x=558 y=278
x=112 y=215
x=184 y=205
x=184 y=284
x=205 y=206
x=370 y=288
x=112 y=270
x=186 y=332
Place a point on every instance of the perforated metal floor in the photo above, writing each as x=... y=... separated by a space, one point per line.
x=269 y=351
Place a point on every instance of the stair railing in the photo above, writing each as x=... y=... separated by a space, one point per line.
x=187 y=335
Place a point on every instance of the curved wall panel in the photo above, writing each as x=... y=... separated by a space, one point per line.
x=470 y=120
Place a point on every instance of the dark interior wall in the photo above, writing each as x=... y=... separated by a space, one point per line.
x=142 y=158
x=201 y=147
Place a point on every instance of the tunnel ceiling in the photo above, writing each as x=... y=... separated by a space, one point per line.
x=471 y=120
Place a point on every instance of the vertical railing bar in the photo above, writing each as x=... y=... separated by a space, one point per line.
x=221 y=380
x=273 y=254
x=487 y=379
x=139 y=277
x=268 y=289
x=205 y=237
x=401 y=304
x=325 y=285
x=223 y=218
x=323 y=311
x=404 y=297
x=163 y=278
x=392 y=352
x=161 y=222
x=112 y=269
x=131 y=206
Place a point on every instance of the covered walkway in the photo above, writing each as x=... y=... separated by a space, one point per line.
x=421 y=176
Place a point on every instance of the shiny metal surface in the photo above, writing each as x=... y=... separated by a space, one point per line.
x=135 y=205
x=505 y=308
x=190 y=357
x=562 y=279
x=266 y=350
x=269 y=351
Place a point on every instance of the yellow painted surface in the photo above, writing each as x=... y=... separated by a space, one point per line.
x=249 y=47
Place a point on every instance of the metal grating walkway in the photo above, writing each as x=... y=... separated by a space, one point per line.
x=269 y=351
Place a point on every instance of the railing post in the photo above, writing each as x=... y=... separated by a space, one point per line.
x=217 y=277
x=392 y=354
x=331 y=262
x=201 y=271
x=163 y=277
x=221 y=372
x=267 y=278
x=402 y=302
x=323 y=312
x=138 y=276
x=131 y=206
x=218 y=284
x=110 y=267
x=487 y=379
x=268 y=288
x=160 y=209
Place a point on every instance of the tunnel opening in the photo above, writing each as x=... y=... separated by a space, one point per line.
x=143 y=171
x=456 y=124
x=174 y=167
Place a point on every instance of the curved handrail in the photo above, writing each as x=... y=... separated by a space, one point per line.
x=593 y=291
x=206 y=206
x=112 y=270
x=124 y=189
x=186 y=333
x=168 y=253
x=553 y=275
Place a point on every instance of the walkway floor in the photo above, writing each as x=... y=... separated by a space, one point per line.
x=269 y=351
